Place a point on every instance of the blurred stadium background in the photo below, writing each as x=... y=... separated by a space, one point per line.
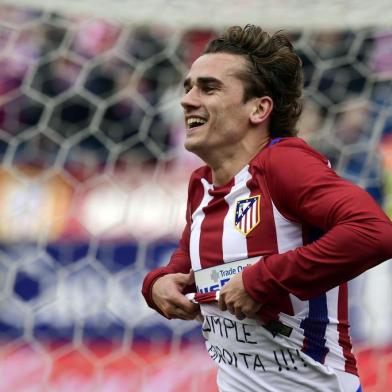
x=93 y=178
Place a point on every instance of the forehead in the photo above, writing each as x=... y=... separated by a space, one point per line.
x=217 y=65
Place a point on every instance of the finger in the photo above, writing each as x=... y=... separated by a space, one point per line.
x=251 y=315
x=238 y=311
x=191 y=274
x=188 y=306
x=182 y=314
x=185 y=279
x=252 y=311
x=239 y=315
x=181 y=301
x=230 y=309
x=183 y=305
x=221 y=303
x=199 y=317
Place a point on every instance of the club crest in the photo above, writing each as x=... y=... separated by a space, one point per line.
x=247 y=214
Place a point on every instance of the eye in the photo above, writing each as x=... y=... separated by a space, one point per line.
x=187 y=89
x=208 y=89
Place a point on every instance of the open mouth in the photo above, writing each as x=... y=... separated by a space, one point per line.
x=194 y=122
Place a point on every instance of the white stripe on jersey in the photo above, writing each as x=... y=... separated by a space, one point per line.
x=289 y=236
x=254 y=213
x=332 y=333
x=197 y=219
x=234 y=245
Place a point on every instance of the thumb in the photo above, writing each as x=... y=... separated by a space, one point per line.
x=186 y=279
x=191 y=277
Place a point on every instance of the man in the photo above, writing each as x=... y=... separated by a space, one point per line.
x=269 y=224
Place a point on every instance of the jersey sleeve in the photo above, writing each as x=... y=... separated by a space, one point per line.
x=179 y=262
x=357 y=233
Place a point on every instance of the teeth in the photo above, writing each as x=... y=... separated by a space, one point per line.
x=194 y=121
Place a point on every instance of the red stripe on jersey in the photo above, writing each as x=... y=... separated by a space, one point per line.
x=343 y=329
x=197 y=190
x=210 y=247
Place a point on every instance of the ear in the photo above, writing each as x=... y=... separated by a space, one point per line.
x=261 y=109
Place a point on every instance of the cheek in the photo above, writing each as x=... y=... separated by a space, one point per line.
x=226 y=131
x=228 y=121
x=229 y=115
x=233 y=119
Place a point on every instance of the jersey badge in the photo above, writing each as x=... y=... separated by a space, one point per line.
x=247 y=214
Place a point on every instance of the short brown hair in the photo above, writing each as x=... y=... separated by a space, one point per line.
x=274 y=69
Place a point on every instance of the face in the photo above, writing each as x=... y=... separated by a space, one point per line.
x=216 y=118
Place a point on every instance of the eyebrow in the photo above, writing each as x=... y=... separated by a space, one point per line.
x=203 y=80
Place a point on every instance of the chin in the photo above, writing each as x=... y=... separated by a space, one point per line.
x=191 y=145
x=195 y=148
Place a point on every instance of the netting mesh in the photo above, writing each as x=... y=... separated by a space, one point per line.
x=93 y=183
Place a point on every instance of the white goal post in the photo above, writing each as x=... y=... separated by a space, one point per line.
x=291 y=14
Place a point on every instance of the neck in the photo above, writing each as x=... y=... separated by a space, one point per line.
x=225 y=166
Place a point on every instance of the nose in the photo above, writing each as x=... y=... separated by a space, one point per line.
x=190 y=99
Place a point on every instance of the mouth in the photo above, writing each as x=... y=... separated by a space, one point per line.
x=194 y=122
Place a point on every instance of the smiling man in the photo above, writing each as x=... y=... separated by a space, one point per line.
x=272 y=234
x=223 y=128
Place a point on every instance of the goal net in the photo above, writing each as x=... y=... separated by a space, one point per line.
x=93 y=178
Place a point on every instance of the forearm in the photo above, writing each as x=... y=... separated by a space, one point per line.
x=344 y=252
x=357 y=234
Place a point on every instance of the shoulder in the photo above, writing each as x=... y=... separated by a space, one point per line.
x=196 y=186
x=203 y=172
x=290 y=156
x=296 y=176
x=292 y=167
x=291 y=150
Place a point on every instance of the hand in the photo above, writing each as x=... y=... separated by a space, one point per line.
x=234 y=298
x=167 y=296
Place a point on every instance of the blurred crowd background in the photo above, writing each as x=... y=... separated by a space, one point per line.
x=93 y=181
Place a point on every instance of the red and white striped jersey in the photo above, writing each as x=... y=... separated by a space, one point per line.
x=312 y=230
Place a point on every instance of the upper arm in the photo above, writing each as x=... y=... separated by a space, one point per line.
x=306 y=190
